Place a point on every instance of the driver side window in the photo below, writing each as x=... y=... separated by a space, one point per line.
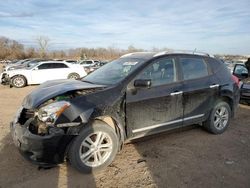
x=160 y=72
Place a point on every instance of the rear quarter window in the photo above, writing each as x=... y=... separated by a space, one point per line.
x=193 y=68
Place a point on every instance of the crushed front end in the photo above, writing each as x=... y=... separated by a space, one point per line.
x=50 y=117
x=42 y=144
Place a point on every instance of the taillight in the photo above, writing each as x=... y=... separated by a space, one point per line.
x=236 y=80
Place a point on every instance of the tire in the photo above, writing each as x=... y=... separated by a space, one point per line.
x=18 y=81
x=74 y=76
x=219 y=118
x=91 y=152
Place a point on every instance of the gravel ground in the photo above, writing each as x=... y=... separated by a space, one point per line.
x=184 y=158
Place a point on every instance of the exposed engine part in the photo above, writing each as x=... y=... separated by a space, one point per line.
x=42 y=128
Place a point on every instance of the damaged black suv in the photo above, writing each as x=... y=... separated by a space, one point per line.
x=87 y=121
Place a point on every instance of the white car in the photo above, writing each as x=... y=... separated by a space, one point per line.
x=44 y=71
x=88 y=63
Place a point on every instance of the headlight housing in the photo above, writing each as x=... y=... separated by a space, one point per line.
x=51 y=112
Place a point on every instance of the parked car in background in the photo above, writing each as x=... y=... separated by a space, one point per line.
x=70 y=61
x=19 y=65
x=44 y=71
x=241 y=72
x=23 y=63
x=95 y=67
x=139 y=94
x=88 y=63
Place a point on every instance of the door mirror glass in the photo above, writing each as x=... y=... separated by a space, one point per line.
x=142 y=83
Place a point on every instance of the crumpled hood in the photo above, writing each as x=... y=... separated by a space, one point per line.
x=52 y=89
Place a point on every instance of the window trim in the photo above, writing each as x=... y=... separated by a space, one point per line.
x=176 y=64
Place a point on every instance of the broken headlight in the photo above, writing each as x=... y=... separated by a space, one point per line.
x=51 y=112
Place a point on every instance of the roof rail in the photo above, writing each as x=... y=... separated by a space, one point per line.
x=183 y=51
x=133 y=53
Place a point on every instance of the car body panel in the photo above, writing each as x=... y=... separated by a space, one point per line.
x=146 y=110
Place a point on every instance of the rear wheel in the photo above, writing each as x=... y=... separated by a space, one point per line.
x=18 y=81
x=219 y=118
x=94 y=148
x=73 y=76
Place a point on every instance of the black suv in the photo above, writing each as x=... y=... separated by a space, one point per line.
x=139 y=94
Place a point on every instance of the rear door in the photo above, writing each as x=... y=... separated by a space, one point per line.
x=60 y=71
x=158 y=108
x=199 y=89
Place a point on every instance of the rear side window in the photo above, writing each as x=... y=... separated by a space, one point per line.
x=59 y=65
x=193 y=68
x=44 y=66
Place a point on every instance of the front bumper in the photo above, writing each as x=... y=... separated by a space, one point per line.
x=45 y=150
x=4 y=78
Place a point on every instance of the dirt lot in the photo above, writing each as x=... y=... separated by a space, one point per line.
x=191 y=158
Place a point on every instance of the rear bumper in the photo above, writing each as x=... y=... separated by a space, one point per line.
x=45 y=150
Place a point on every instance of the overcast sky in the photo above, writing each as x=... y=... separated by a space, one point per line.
x=213 y=26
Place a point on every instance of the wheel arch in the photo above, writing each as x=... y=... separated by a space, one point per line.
x=230 y=102
x=116 y=125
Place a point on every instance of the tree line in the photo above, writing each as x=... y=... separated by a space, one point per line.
x=12 y=49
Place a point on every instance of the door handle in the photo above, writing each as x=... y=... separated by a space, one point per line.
x=176 y=93
x=214 y=86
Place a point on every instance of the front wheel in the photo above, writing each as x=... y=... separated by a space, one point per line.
x=219 y=118
x=18 y=81
x=94 y=148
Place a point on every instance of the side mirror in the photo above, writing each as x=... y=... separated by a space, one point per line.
x=36 y=68
x=240 y=71
x=142 y=83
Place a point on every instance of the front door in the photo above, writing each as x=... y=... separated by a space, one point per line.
x=154 y=109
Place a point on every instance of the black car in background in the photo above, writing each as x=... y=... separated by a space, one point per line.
x=241 y=72
x=139 y=94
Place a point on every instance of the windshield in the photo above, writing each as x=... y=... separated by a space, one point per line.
x=113 y=72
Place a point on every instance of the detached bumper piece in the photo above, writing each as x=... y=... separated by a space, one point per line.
x=45 y=151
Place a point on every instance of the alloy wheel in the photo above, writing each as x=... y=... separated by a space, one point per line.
x=19 y=82
x=221 y=118
x=95 y=149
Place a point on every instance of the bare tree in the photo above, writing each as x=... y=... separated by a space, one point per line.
x=43 y=43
